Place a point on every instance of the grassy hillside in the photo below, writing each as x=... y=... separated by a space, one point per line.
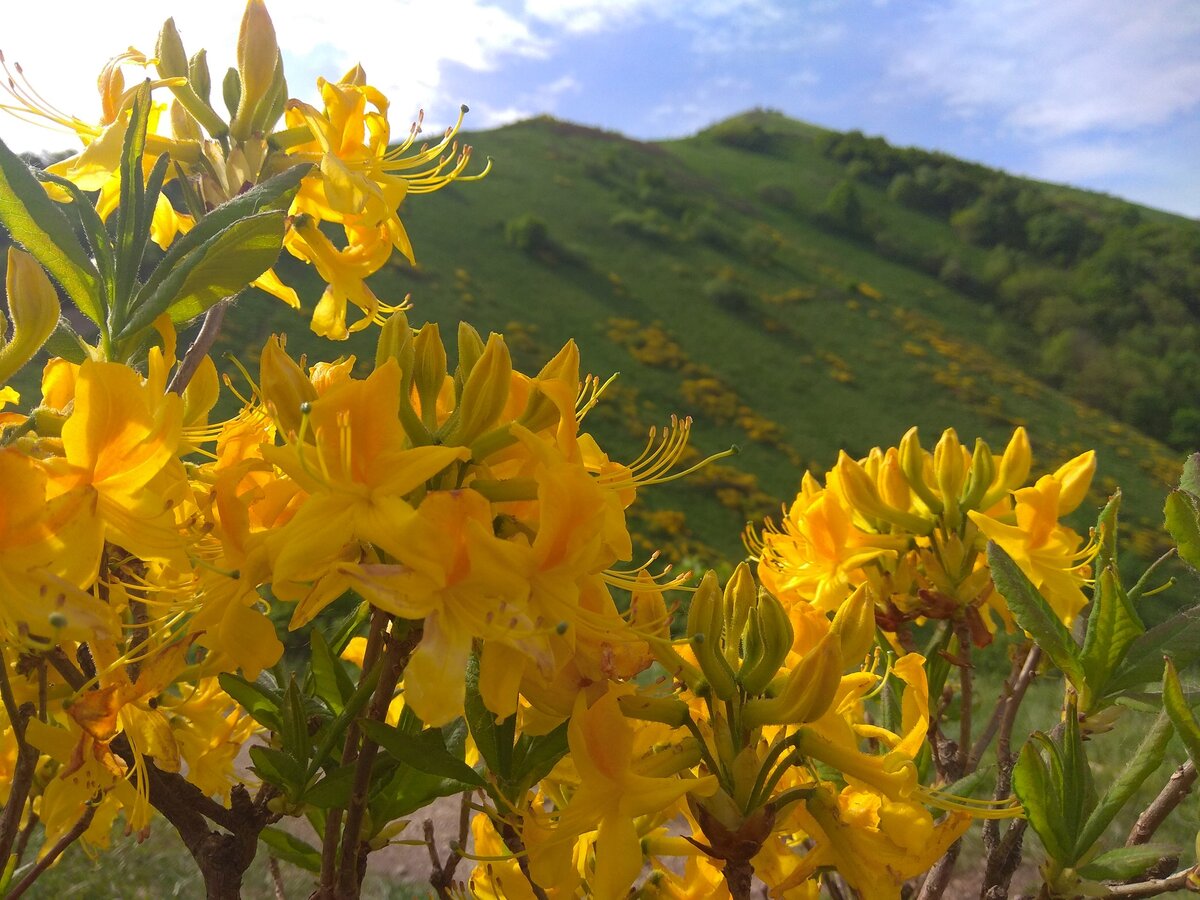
x=716 y=281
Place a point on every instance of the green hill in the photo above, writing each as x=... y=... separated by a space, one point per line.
x=777 y=283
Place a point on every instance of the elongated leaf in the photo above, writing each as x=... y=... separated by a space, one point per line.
x=495 y=743
x=1149 y=756
x=1178 y=637
x=333 y=732
x=279 y=768
x=1182 y=512
x=1106 y=532
x=291 y=849
x=1190 y=479
x=534 y=757
x=295 y=724
x=1039 y=795
x=1078 y=789
x=1033 y=613
x=261 y=704
x=37 y=224
x=274 y=194
x=96 y=232
x=333 y=790
x=64 y=342
x=221 y=268
x=330 y=681
x=1180 y=712
x=1125 y=863
x=131 y=239
x=425 y=752
x=1112 y=627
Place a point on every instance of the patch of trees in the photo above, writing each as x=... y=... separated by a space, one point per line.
x=1102 y=302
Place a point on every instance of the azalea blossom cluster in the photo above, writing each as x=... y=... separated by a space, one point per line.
x=453 y=541
x=910 y=527
x=355 y=181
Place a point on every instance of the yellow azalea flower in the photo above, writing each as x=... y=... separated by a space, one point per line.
x=1051 y=555
x=816 y=550
x=209 y=729
x=611 y=795
x=361 y=177
x=465 y=583
x=914 y=717
x=80 y=777
x=345 y=272
x=499 y=875
x=701 y=879
x=357 y=473
x=875 y=852
x=49 y=550
x=120 y=443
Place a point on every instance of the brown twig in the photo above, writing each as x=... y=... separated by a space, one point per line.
x=938 y=878
x=442 y=876
x=55 y=852
x=993 y=723
x=333 y=822
x=205 y=338
x=276 y=878
x=352 y=865
x=67 y=669
x=1003 y=855
x=1176 y=882
x=966 y=690
x=1177 y=787
x=23 y=771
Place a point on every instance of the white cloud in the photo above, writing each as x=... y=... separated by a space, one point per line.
x=402 y=44
x=1059 y=68
x=1078 y=163
x=484 y=115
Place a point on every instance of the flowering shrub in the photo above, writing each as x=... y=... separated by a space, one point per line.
x=456 y=546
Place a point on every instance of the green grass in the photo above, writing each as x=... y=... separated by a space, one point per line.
x=918 y=355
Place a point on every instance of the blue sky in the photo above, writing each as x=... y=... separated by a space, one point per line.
x=1103 y=94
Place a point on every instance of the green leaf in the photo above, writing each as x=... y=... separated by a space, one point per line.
x=1190 y=479
x=220 y=268
x=1106 y=532
x=426 y=752
x=64 y=342
x=37 y=224
x=262 y=704
x=1182 y=512
x=333 y=732
x=1180 y=712
x=274 y=194
x=291 y=849
x=1178 y=637
x=95 y=231
x=494 y=742
x=333 y=790
x=1039 y=795
x=1034 y=614
x=1078 y=791
x=1141 y=765
x=975 y=785
x=330 y=681
x=1111 y=628
x=132 y=223
x=535 y=756
x=279 y=768
x=1125 y=863
x=295 y=724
